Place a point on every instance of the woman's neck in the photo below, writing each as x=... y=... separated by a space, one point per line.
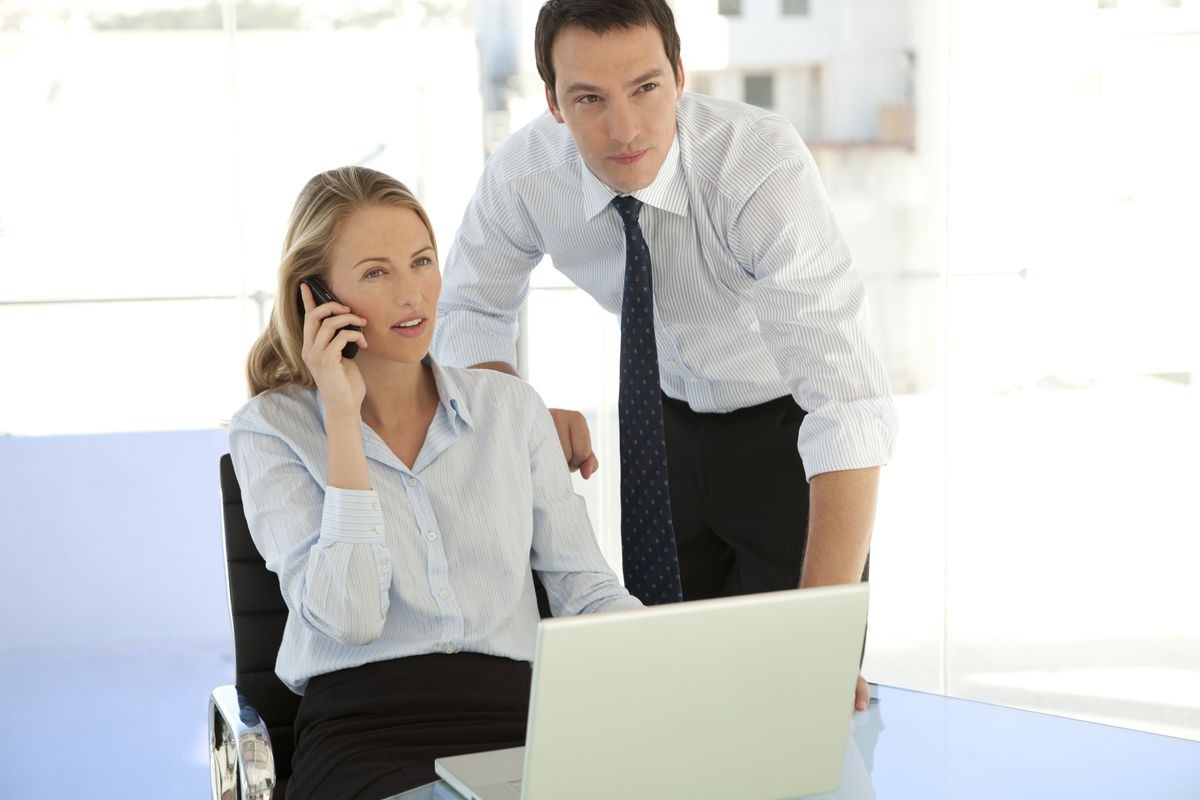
x=397 y=394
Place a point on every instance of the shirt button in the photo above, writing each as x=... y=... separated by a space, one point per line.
x=431 y=536
x=448 y=649
x=379 y=529
x=375 y=505
x=443 y=593
x=412 y=481
x=385 y=569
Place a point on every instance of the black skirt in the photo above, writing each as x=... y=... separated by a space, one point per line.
x=372 y=731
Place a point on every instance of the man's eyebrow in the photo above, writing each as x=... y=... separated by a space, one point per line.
x=645 y=76
x=639 y=80
x=580 y=87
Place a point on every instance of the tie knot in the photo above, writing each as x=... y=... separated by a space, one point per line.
x=629 y=207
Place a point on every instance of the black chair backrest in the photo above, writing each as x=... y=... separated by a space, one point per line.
x=259 y=614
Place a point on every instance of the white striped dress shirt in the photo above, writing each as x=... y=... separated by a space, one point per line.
x=755 y=296
x=432 y=559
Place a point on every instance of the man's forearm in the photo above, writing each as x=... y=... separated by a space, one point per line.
x=498 y=366
x=841 y=513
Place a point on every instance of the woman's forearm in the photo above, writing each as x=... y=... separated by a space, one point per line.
x=347 y=459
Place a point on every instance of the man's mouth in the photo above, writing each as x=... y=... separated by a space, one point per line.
x=629 y=159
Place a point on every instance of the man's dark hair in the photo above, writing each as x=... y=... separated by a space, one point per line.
x=600 y=17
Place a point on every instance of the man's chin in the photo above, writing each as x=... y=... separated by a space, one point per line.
x=628 y=185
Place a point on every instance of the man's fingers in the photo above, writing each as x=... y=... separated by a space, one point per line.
x=862 y=695
x=575 y=439
x=563 y=426
x=581 y=442
x=588 y=467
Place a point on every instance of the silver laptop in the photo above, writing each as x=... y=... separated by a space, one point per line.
x=744 y=697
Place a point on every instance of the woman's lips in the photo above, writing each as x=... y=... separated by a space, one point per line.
x=413 y=331
x=629 y=159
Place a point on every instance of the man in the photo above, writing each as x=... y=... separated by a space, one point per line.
x=745 y=362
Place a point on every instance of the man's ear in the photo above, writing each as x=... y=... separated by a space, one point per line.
x=680 y=80
x=552 y=105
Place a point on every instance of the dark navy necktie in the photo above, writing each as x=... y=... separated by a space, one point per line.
x=647 y=537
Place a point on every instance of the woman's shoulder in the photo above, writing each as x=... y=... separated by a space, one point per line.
x=492 y=390
x=280 y=409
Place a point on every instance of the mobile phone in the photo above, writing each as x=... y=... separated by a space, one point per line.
x=322 y=295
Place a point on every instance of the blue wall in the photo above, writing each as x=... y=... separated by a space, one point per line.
x=111 y=541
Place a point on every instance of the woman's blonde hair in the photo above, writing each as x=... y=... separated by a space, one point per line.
x=326 y=200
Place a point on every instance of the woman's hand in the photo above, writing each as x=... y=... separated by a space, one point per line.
x=338 y=379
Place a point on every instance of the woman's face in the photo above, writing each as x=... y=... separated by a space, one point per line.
x=382 y=264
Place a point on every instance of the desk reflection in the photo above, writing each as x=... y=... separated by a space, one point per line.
x=940 y=748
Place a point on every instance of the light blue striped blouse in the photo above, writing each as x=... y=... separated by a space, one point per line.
x=432 y=559
x=755 y=296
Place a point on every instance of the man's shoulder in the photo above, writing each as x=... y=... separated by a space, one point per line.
x=540 y=146
x=724 y=140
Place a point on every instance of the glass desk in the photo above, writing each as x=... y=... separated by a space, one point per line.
x=916 y=746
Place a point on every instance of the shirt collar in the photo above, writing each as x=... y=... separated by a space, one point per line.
x=450 y=395
x=667 y=191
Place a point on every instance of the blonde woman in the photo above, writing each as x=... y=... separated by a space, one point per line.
x=401 y=503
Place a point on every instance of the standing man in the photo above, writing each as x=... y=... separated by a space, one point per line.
x=746 y=370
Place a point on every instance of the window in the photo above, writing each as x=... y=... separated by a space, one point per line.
x=759 y=90
x=700 y=83
x=729 y=8
x=795 y=8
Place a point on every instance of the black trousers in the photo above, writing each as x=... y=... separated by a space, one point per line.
x=739 y=498
x=372 y=731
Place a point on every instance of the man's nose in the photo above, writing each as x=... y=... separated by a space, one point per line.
x=623 y=125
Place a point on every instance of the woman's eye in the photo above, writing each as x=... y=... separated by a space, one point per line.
x=423 y=261
x=373 y=273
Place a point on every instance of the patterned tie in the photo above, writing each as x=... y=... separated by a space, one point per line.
x=647 y=538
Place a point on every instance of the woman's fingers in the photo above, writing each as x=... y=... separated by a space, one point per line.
x=332 y=324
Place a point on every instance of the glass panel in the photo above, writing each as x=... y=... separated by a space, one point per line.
x=759 y=90
x=1074 y=371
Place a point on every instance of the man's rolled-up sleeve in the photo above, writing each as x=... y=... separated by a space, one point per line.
x=812 y=310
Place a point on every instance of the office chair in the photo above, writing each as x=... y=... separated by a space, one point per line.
x=250 y=724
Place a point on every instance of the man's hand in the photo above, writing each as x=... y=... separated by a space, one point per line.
x=862 y=695
x=576 y=441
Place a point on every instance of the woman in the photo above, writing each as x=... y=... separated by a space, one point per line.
x=401 y=503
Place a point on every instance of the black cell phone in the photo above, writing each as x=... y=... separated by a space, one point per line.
x=322 y=295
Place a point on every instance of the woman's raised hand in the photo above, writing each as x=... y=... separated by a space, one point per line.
x=338 y=379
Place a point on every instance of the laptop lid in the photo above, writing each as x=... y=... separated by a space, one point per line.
x=748 y=697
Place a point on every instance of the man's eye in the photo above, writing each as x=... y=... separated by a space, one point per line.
x=648 y=87
x=588 y=99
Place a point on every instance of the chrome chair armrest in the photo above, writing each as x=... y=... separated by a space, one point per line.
x=239 y=748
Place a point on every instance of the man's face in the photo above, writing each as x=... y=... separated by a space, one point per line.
x=617 y=95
